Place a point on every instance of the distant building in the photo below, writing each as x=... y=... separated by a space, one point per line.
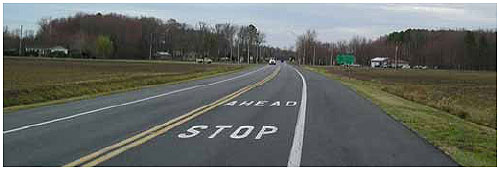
x=385 y=62
x=59 y=49
x=45 y=51
x=345 y=59
x=379 y=62
x=37 y=50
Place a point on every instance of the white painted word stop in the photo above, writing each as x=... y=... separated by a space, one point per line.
x=240 y=132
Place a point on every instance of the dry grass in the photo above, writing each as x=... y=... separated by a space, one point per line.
x=470 y=95
x=31 y=80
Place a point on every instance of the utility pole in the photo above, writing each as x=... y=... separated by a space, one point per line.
x=231 y=44
x=314 y=57
x=304 y=55
x=168 y=45
x=248 y=51
x=238 y=57
x=256 y=53
x=259 y=53
x=21 y=41
x=396 y=55
x=150 y=48
x=331 y=56
x=263 y=53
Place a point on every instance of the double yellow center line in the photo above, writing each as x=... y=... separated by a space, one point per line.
x=109 y=152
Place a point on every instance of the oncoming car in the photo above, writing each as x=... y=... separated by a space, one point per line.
x=272 y=62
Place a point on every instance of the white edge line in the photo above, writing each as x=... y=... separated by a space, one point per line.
x=124 y=104
x=296 y=149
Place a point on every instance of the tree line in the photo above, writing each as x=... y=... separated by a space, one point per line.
x=447 y=49
x=116 y=36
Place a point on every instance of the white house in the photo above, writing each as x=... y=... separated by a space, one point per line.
x=44 y=51
x=379 y=62
x=38 y=50
x=59 y=49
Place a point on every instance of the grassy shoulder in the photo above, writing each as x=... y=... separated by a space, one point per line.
x=36 y=82
x=468 y=143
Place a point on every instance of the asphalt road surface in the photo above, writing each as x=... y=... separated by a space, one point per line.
x=276 y=115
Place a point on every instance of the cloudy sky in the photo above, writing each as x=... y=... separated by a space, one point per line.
x=282 y=23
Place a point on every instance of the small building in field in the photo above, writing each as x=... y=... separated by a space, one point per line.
x=59 y=49
x=385 y=62
x=345 y=59
x=379 y=62
x=46 y=51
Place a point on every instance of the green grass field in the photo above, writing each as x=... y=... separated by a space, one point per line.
x=29 y=81
x=453 y=110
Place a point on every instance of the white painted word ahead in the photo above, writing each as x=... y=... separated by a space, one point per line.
x=261 y=103
x=239 y=133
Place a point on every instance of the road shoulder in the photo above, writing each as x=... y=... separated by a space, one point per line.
x=345 y=129
x=446 y=132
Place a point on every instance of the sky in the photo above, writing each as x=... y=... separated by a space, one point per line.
x=282 y=23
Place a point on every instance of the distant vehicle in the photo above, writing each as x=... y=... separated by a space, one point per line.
x=282 y=61
x=406 y=66
x=207 y=61
x=224 y=59
x=419 y=67
x=272 y=62
x=204 y=61
x=162 y=55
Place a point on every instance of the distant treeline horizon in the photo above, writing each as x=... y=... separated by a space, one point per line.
x=445 y=49
x=116 y=36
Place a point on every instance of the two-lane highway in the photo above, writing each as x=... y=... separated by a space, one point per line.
x=267 y=116
x=62 y=133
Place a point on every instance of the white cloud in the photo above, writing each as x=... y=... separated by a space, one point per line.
x=451 y=12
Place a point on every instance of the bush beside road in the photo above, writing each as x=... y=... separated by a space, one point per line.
x=410 y=96
x=32 y=81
